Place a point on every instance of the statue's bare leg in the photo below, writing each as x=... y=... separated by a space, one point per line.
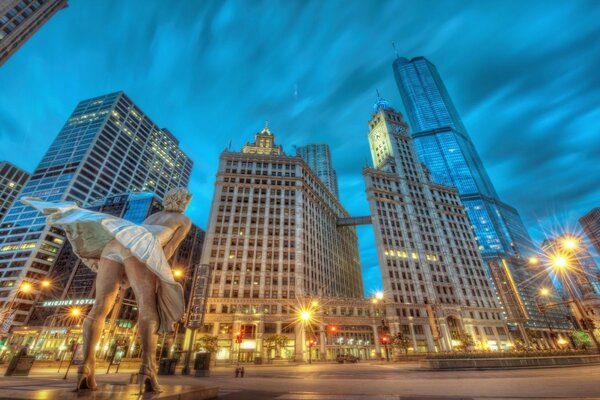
x=143 y=282
x=108 y=279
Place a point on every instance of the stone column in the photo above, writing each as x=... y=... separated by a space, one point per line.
x=429 y=338
x=377 y=344
x=446 y=337
x=322 y=344
x=412 y=335
x=300 y=336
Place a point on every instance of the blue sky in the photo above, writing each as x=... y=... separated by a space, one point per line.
x=523 y=75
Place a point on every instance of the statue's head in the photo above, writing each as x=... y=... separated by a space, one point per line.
x=177 y=199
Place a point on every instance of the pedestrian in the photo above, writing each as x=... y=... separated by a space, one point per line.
x=242 y=372
x=237 y=372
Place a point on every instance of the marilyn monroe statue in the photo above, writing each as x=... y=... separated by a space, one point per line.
x=122 y=252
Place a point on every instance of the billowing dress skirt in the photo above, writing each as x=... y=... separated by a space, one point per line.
x=89 y=232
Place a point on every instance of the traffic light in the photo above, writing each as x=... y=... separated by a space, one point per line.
x=333 y=329
x=238 y=337
x=311 y=342
x=385 y=339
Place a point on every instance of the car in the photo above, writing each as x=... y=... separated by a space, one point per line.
x=346 y=358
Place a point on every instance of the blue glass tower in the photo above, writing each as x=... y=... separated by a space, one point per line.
x=444 y=146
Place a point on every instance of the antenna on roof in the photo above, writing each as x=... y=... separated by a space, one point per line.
x=395 y=49
x=229 y=147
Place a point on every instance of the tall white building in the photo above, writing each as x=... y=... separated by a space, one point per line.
x=272 y=240
x=318 y=158
x=432 y=272
x=107 y=146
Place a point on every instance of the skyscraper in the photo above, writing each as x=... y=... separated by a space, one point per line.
x=107 y=146
x=590 y=223
x=427 y=253
x=272 y=238
x=20 y=19
x=12 y=180
x=444 y=146
x=318 y=158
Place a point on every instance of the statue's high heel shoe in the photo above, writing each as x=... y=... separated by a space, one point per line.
x=85 y=379
x=147 y=380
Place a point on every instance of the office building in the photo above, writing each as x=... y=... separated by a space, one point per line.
x=107 y=146
x=12 y=179
x=20 y=19
x=272 y=241
x=591 y=226
x=433 y=275
x=444 y=146
x=318 y=158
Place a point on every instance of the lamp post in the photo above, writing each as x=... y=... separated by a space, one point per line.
x=25 y=287
x=384 y=338
x=544 y=292
x=561 y=263
x=200 y=285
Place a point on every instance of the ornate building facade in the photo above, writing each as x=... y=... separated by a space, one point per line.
x=272 y=242
x=432 y=272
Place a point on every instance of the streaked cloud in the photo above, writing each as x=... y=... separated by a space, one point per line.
x=522 y=74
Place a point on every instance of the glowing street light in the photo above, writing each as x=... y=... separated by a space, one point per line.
x=46 y=283
x=570 y=243
x=544 y=291
x=559 y=262
x=533 y=260
x=305 y=316
x=25 y=287
x=178 y=273
x=75 y=311
x=379 y=295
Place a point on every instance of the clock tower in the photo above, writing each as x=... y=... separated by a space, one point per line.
x=386 y=129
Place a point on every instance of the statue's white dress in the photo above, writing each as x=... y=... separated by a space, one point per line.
x=90 y=232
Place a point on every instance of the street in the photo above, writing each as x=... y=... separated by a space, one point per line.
x=359 y=381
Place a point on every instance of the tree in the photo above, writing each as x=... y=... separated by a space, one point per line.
x=209 y=343
x=581 y=340
x=276 y=342
x=401 y=343
x=466 y=342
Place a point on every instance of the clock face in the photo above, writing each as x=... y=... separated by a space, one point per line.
x=377 y=134
x=398 y=129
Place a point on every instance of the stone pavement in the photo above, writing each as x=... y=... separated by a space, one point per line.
x=363 y=382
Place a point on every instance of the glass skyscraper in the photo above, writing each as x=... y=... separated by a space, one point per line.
x=107 y=146
x=444 y=146
x=318 y=158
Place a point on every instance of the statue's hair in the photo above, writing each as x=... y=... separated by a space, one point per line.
x=177 y=199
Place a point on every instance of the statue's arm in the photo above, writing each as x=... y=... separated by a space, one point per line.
x=180 y=234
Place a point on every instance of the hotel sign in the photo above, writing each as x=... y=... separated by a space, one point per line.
x=70 y=302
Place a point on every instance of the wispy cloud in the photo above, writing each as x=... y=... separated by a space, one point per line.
x=522 y=74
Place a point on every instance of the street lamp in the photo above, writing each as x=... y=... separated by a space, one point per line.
x=570 y=243
x=177 y=273
x=544 y=292
x=25 y=287
x=561 y=264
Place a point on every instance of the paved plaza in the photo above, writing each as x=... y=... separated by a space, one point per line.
x=354 y=381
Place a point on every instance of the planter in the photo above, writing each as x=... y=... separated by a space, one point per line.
x=502 y=363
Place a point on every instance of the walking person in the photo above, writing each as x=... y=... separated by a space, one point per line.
x=242 y=372
x=237 y=372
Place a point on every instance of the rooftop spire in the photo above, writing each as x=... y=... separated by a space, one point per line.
x=380 y=104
